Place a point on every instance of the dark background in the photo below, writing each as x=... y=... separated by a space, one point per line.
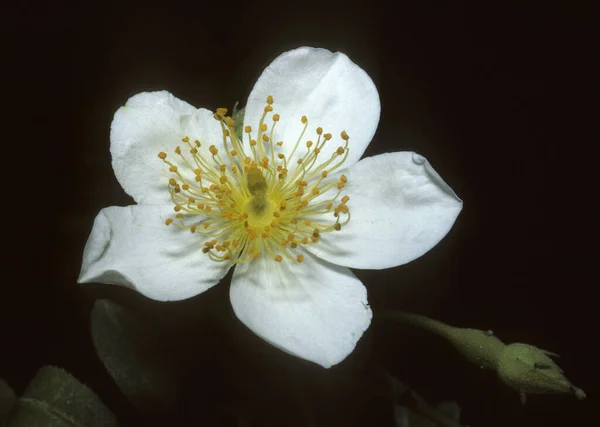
x=497 y=97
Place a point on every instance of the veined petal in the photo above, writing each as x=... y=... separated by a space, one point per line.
x=329 y=89
x=400 y=208
x=132 y=246
x=313 y=310
x=153 y=122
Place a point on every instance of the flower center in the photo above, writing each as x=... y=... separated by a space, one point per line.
x=247 y=203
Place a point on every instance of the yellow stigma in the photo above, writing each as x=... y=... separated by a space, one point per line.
x=250 y=198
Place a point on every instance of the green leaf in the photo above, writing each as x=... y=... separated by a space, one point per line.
x=134 y=356
x=404 y=417
x=238 y=118
x=7 y=400
x=55 y=399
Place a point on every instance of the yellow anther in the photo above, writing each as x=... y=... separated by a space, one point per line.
x=185 y=187
x=225 y=132
x=337 y=227
x=169 y=221
x=222 y=168
x=265 y=138
x=226 y=243
x=179 y=216
x=280 y=156
x=221 y=112
x=193 y=150
x=200 y=206
x=263 y=127
x=340 y=150
x=185 y=139
x=299 y=161
x=234 y=169
x=319 y=130
x=269 y=99
x=276 y=214
x=223 y=179
x=248 y=129
x=329 y=206
x=207 y=209
x=268 y=108
x=280 y=143
x=173 y=169
x=340 y=185
x=233 y=153
x=178 y=150
x=293 y=245
x=317 y=150
x=293 y=221
x=265 y=235
x=193 y=228
x=343 y=178
x=291 y=237
x=275 y=117
x=177 y=208
x=205 y=250
x=315 y=191
x=305 y=241
x=213 y=150
x=198 y=178
x=162 y=155
x=283 y=242
x=345 y=199
x=206 y=225
x=230 y=122
x=278 y=258
x=307 y=222
x=252 y=235
x=300 y=258
x=327 y=136
x=191 y=200
x=324 y=174
x=252 y=143
x=343 y=208
x=344 y=136
x=314 y=239
x=197 y=143
x=304 y=120
x=172 y=181
x=309 y=144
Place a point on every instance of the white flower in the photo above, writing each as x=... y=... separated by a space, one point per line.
x=291 y=207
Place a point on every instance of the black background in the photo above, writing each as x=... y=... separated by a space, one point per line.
x=497 y=97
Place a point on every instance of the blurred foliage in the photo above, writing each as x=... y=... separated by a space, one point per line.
x=133 y=353
x=55 y=399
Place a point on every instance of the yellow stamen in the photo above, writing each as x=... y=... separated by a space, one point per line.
x=258 y=200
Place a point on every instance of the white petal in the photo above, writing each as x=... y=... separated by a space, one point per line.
x=151 y=122
x=400 y=208
x=329 y=89
x=313 y=310
x=132 y=246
